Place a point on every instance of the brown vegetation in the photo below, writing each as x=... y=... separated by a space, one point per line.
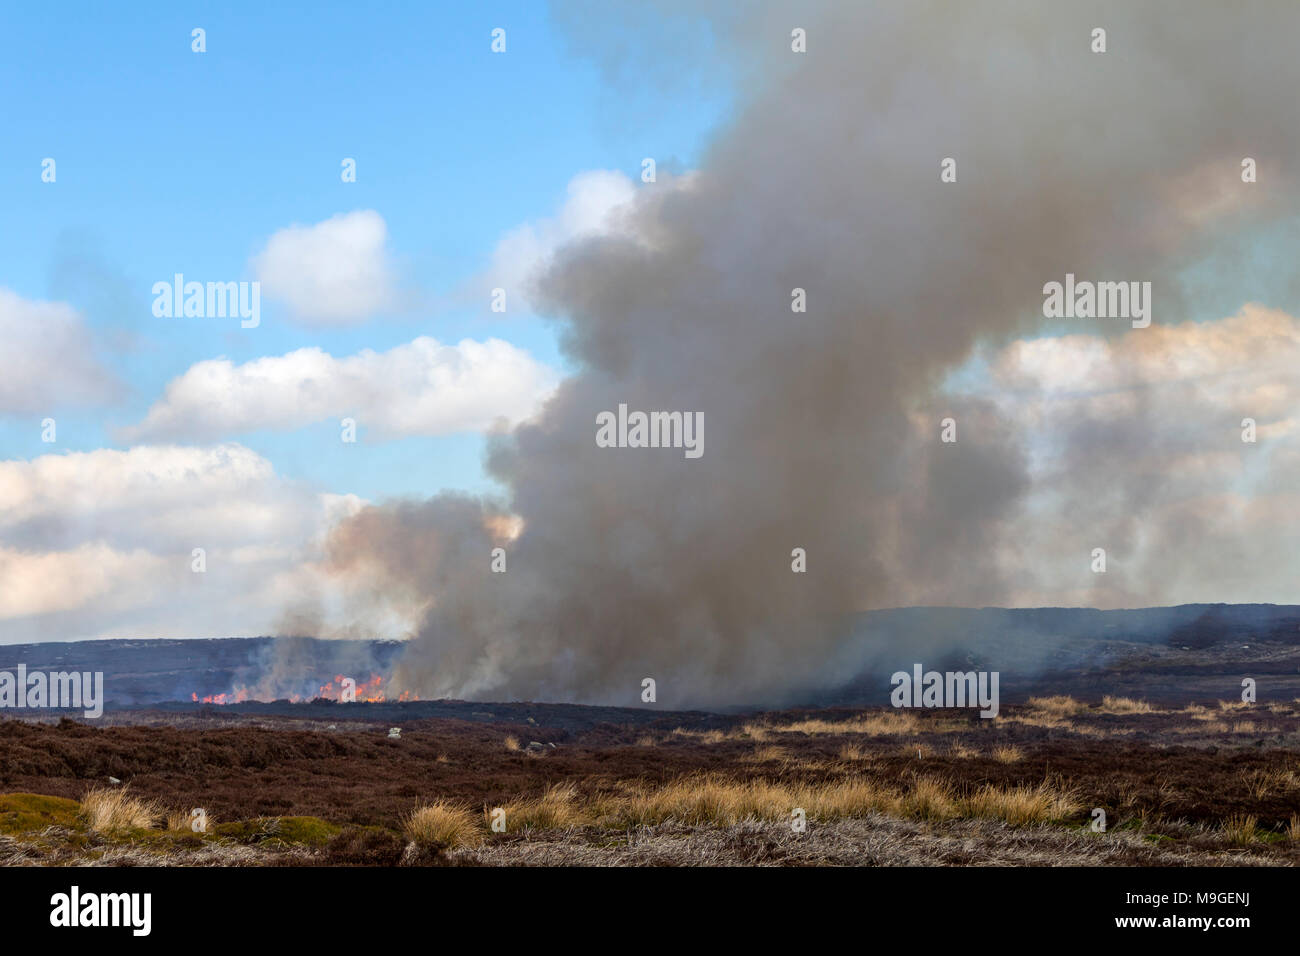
x=301 y=791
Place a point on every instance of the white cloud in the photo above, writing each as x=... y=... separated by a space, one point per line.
x=597 y=202
x=156 y=497
x=1231 y=357
x=1135 y=445
x=40 y=583
x=420 y=388
x=48 y=362
x=99 y=544
x=334 y=273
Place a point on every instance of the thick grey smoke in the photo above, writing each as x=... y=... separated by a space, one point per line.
x=821 y=429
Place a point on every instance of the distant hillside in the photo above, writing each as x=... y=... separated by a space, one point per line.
x=1166 y=653
x=1175 y=653
x=148 y=671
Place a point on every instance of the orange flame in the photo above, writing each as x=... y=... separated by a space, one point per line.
x=369 y=691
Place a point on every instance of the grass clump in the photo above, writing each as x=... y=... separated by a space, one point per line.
x=442 y=824
x=1242 y=828
x=1124 y=705
x=108 y=809
x=1020 y=806
x=1058 y=705
x=556 y=809
x=1011 y=754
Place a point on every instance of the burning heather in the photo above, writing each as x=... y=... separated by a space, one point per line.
x=344 y=689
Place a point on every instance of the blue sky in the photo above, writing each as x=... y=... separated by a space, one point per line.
x=173 y=161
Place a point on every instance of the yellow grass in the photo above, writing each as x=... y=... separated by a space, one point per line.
x=115 y=808
x=1264 y=782
x=512 y=743
x=1020 y=806
x=723 y=801
x=1124 y=705
x=181 y=820
x=555 y=809
x=1241 y=828
x=703 y=736
x=1050 y=721
x=930 y=800
x=881 y=724
x=1008 y=754
x=442 y=824
x=854 y=797
x=1060 y=705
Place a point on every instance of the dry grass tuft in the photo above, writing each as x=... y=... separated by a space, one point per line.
x=721 y=801
x=1124 y=705
x=115 y=808
x=1011 y=754
x=767 y=755
x=442 y=824
x=512 y=743
x=1060 y=705
x=556 y=809
x=1264 y=782
x=854 y=752
x=1020 y=806
x=877 y=725
x=181 y=821
x=1241 y=828
x=842 y=799
x=931 y=799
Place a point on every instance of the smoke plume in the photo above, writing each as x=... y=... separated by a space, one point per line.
x=821 y=428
